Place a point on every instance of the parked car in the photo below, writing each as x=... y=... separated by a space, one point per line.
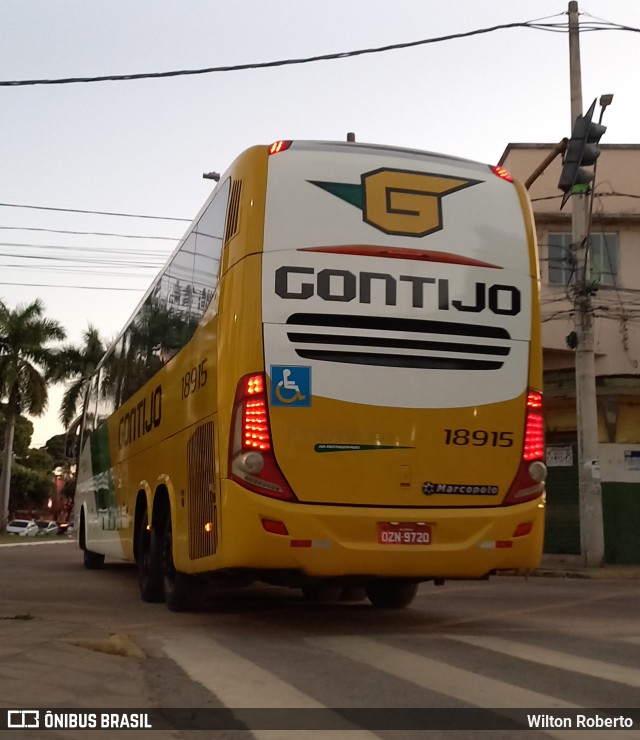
x=46 y=528
x=66 y=528
x=22 y=527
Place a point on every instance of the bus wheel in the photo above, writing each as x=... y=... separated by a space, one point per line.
x=93 y=560
x=178 y=587
x=149 y=557
x=391 y=594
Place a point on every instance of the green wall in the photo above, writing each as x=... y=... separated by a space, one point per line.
x=620 y=510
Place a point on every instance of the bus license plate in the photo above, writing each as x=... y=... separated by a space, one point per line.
x=406 y=533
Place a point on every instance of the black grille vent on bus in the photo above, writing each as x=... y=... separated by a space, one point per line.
x=202 y=494
x=233 y=210
x=375 y=340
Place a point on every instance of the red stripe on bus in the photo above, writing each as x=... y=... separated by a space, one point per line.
x=401 y=253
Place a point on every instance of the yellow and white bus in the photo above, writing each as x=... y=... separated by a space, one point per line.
x=334 y=382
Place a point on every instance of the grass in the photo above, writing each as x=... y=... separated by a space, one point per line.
x=21 y=617
x=4 y=537
x=16 y=538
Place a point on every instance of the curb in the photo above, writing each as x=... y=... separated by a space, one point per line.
x=614 y=573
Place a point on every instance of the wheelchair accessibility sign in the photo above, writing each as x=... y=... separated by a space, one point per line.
x=291 y=385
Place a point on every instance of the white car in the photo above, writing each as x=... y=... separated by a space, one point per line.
x=46 y=528
x=22 y=527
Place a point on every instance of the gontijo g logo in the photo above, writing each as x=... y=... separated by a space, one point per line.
x=400 y=202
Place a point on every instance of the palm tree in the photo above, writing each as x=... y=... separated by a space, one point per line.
x=27 y=362
x=78 y=363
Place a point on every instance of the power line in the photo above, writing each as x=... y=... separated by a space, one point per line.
x=79 y=270
x=71 y=287
x=93 y=251
x=86 y=233
x=609 y=194
x=85 y=261
x=96 y=213
x=287 y=62
x=595 y=25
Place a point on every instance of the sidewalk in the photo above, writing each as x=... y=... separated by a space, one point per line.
x=570 y=566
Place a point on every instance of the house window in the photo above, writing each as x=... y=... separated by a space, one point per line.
x=560 y=259
x=603 y=259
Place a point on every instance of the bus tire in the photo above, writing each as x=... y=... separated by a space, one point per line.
x=178 y=588
x=391 y=594
x=149 y=557
x=93 y=560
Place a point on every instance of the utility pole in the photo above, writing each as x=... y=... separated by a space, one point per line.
x=591 y=521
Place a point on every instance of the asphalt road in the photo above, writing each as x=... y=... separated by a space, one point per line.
x=71 y=638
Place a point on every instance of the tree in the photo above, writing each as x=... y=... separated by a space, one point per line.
x=30 y=488
x=38 y=459
x=78 y=363
x=27 y=362
x=23 y=432
x=56 y=446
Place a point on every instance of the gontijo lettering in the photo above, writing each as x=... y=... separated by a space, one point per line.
x=141 y=419
x=344 y=286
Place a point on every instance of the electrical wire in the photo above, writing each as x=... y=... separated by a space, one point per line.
x=73 y=287
x=95 y=213
x=86 y=233
x=595 y=25
x=89 y=250
x=561 y=27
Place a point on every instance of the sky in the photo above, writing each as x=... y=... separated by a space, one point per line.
x=140 y=147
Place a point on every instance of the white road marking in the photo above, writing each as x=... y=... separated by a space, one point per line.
x=240 y=683
x=554 y=658
x=632 y=640
x=468 y=686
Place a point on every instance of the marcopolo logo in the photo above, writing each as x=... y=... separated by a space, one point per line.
x=399 y=202
x=466 y=489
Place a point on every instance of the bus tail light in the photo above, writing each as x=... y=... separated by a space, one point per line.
x=532 y=473
x=279 y=146
x=501 y=172
x=251 y=459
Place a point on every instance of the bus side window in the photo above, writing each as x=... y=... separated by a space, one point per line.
x=106 y=391
x=118 y=360
x=143 y=336
x=180 y=297
x=90 y=411
x=209 y=236
x=170 y=314
x=127 y=380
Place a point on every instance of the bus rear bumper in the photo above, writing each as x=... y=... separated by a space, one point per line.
x=339 y=541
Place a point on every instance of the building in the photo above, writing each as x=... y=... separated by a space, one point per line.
x=614 y=269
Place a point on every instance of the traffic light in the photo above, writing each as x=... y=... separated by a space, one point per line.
x=582 y=151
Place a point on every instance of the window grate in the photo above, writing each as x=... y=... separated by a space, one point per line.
x=233 y=210
x=203 y=539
